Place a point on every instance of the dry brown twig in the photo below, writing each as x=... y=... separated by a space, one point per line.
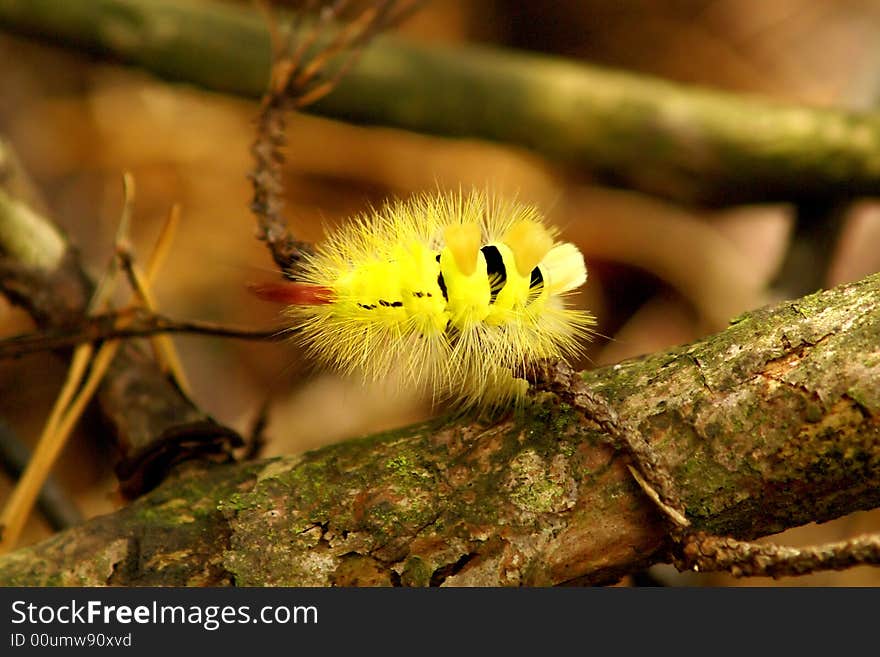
x=164 y=351
x=308 y=62
x=703 y=553
x=139 y=323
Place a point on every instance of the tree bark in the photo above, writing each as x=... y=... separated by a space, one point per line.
x=770 y=424
x=636 y=131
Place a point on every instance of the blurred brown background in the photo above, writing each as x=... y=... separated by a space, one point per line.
x=661 y=274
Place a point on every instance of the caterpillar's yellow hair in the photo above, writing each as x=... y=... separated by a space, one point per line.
x=458 y=294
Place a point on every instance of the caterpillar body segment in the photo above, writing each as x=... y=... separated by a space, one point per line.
x=456 y=294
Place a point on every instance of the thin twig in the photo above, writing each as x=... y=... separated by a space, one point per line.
x=296 y=52
x=302 y=74
x=141 y=283
x=703 y=552
x=654 y=480
x=142 y=324
x=672 y=513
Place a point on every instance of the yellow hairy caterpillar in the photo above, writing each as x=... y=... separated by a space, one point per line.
x=458 y=294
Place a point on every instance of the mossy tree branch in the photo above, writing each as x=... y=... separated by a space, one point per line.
x=682 y=142
x=769 y=424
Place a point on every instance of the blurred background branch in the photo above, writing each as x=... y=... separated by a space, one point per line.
x=641 y=132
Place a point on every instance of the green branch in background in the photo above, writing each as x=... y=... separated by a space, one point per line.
x=677 y=141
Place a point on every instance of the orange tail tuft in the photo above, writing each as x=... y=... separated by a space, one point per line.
x=292 y=294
